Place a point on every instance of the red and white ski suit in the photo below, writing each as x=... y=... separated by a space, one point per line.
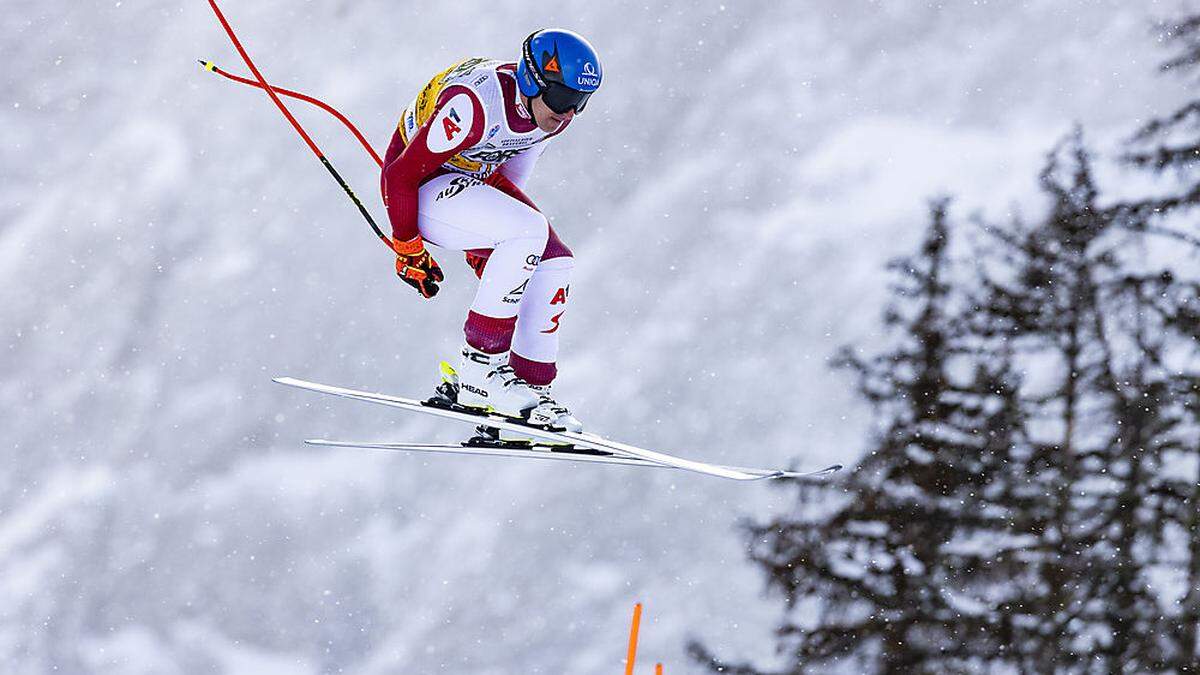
x=454 y=173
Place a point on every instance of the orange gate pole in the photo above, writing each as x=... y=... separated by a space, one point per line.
x=633 y=638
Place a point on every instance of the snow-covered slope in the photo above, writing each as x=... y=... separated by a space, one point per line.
x=167 y=245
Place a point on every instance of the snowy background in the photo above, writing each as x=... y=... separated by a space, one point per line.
x=167 y=245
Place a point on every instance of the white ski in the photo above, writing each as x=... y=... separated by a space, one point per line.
x=500 y=422
x=546 y=453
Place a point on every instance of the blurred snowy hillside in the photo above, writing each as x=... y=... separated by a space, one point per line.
x=167 y=245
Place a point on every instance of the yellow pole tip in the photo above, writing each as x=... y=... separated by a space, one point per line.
x=208 y=65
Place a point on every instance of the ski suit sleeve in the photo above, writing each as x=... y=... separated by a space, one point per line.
x=455 y=124
x=520 y=168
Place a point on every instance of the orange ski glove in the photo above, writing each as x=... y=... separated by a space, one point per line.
x=416 y=267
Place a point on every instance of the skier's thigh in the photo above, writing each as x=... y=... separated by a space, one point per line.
x=459 y=212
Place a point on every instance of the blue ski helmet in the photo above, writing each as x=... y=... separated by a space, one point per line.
x=561 y=66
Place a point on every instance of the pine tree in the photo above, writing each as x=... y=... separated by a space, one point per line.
x=1036 y=468
x=1172 y=144
x=889 y=559
x=1076 y=314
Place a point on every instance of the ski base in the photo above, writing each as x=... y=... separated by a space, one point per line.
x=535 y=451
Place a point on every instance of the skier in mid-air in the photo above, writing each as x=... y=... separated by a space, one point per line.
x=453 y=176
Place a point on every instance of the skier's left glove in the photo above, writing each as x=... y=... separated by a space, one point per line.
x=416 y=267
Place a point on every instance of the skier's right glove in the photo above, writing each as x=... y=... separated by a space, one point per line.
x=477 y=263
x=416 y=267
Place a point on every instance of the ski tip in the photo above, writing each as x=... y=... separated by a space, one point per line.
x=806 y=475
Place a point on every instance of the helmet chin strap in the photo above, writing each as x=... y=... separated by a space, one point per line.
x=529 y=106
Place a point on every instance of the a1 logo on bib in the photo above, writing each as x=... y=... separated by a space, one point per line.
x=452 y=124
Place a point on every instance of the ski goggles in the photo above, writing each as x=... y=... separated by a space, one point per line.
x=560 y=98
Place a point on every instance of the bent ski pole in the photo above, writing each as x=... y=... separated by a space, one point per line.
x=262 y=83
x=214 y=68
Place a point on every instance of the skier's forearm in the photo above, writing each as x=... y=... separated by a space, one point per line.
x=401 y=181
x=402 y=212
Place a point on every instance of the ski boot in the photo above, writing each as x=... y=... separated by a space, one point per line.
x=486 y=382
x=548 y=414
x=551 y=413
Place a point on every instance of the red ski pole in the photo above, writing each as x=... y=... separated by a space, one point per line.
x=214 y=68
x=262 y=83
